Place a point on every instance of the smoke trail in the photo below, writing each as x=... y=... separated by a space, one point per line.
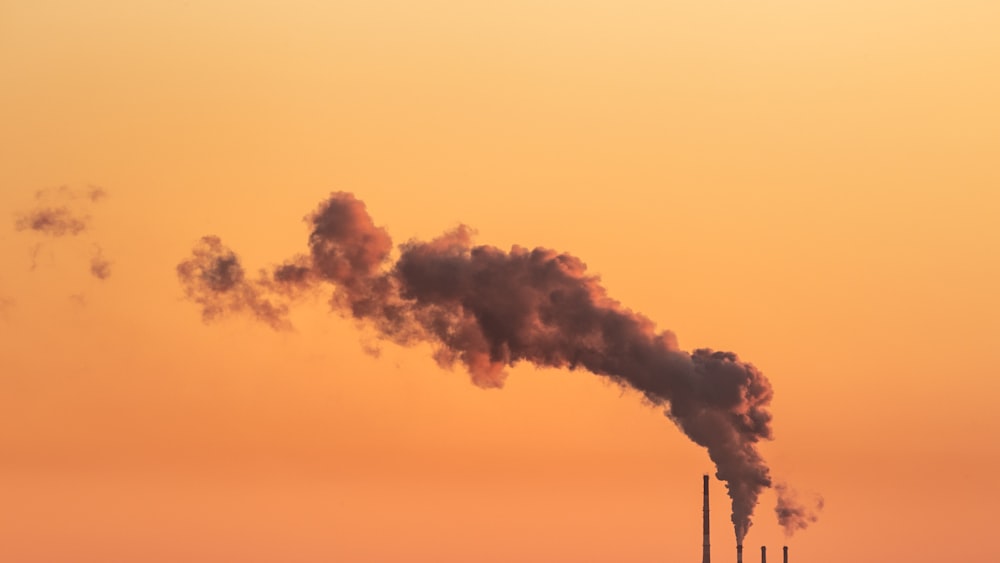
x=792 y=514
x=490 y=309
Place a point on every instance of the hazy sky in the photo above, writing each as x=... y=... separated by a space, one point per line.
x=813 y=185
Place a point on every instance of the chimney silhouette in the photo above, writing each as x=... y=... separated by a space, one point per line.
x=763 y=554
x=706 y=556
x=739 y=553
x=785 y=550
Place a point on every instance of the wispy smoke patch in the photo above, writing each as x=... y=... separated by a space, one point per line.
x=59 y=213
x=100 y=267
x=52 y=221
x=793 y=514
x=214 y=278
x=33 y=253
x=489 y=309
x=63 y=212
x=96 y=193
x=67 y=193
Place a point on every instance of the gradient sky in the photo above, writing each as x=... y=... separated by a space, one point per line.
x=814 y=185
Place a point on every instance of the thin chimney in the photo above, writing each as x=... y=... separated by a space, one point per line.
x=706 y=556
x=763 y=554
x=785 y=550
x=739 y=553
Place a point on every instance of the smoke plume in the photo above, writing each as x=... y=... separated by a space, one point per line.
x=489 y=309
x=793 y=515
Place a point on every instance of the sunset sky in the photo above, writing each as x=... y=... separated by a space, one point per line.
x=814 y=185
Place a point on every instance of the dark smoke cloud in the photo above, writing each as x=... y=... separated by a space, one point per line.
x=489 y=309
x=793 y=515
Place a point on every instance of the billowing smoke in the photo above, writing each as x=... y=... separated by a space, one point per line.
x=793 y=514
x=490 y=309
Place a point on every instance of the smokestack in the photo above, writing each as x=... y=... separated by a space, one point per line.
x=706 y=556
x=785 y=550
x=739 y=553
x=763 y=554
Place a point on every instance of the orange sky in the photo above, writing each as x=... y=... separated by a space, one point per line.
x=813 y=185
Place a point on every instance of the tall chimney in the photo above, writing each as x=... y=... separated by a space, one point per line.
x=763 y=554
x=706 y=555
x=739 y=553
x=785 y=550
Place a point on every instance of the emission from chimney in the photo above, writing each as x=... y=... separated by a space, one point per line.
x=706 y=556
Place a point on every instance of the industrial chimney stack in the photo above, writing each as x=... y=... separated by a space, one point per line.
x=763 y=554
x=785 y=550
x=706 y=556
x=739 y=553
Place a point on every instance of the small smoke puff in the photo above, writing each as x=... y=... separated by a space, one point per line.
x=214 y=278
x=52 y=221
x=293 y=274
x=291 y=278
x=346 y=245
x=793 y=515
x=100 y=267
x=96 y=193
x=222 y=270
x=213 y=269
